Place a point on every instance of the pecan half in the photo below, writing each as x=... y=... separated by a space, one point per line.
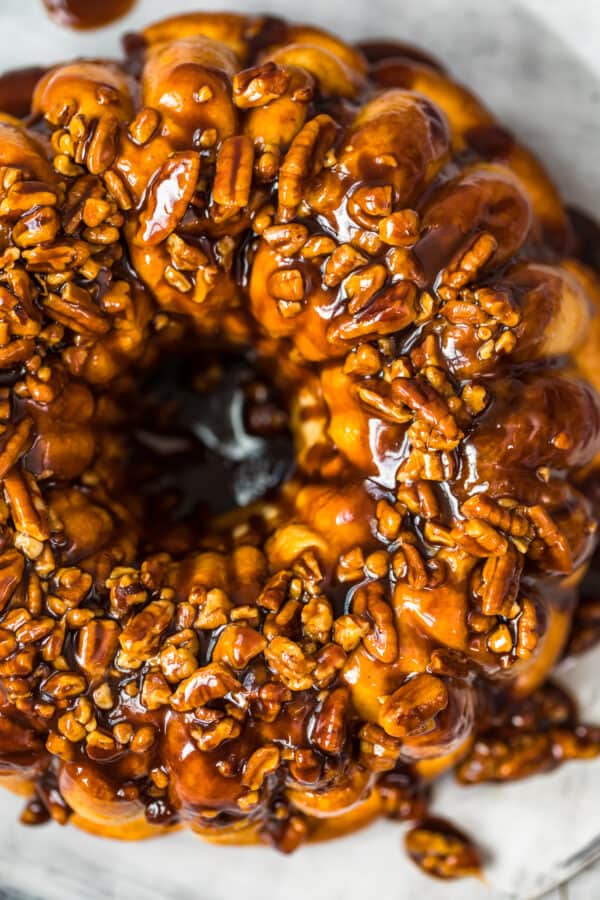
x=168 y=197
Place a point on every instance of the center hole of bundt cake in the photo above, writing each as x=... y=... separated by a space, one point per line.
x=212 y=435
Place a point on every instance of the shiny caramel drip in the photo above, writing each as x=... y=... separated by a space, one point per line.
x=82 y=14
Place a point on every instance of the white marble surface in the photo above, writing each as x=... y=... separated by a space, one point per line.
x=537 y=63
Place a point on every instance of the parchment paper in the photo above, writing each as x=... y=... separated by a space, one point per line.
x=537 y=64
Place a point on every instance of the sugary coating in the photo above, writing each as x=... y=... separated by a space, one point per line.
x=403 y=269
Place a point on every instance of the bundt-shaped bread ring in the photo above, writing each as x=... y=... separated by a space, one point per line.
x=401 y=268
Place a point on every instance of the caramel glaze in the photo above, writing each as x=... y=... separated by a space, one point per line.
x=402 y=269
x=16 y=89
x=83 y=14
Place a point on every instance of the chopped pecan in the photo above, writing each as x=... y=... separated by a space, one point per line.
x=500 y=640
x=23 y=196
x=400 y=229
x=143 y=739
x=271 y=696
x=504 y=517
x=413 y=707
x=155 y=690
x=462 y=312
x=97 y=643
x=390 y=310
x=142 y=633
x=233 y=176
x=211 y=682
x=184 y=256
x=380 y=403
x=214 y=607
x=527 y=630
x=363 y=284
x=318 y=245
x=449 y=662
x=35 y=630
x=556 y=542
x=382 y=639
x=475 y=397
x=178 y=659
x=117 y=188
x=13 y=443
x=362 y=360
x=103 y=697
x=283 y=622
x=442 y=850
x=8 y=643
x=343 y=260
x=306 y=767
x=468 y=263
x=72 y=585
x=496 y=759
x=260 y=764
x=389 y=520
x=64 y=684
x=329 y=661
x=286 y=239
x=329 y=725
x=349 y=630
x=287 y=659
x=100 y=745
x=408 y=563
x=237 y=645
x=74 y=308
x=58 y=745
x=317 y=618
x=378 y=751
x=500 y=578
x=304 y=158
x=71 y=728
x=373 y=200
x=259 y=85
x=53 y=645
x=126 y=590
x=145 y=125
x=101 y=149
x=287 y=285
x=212 y=736
x=27 y=507
x=20 y=663
x=286 y=833
x=499 y=303
x=38 y=227
x=12 y=565
x=275 y=591
x=425 y=402
x=57 y=257
x=480 y=539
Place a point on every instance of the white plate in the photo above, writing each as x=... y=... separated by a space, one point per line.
x=537 y=64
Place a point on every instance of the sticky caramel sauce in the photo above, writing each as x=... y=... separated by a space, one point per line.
x=16 y=89
x=83 y=14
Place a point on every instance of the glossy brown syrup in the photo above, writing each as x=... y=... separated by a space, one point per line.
x=84 y=14
x=16 y=90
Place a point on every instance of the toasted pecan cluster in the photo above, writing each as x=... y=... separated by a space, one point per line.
x=403 y=270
